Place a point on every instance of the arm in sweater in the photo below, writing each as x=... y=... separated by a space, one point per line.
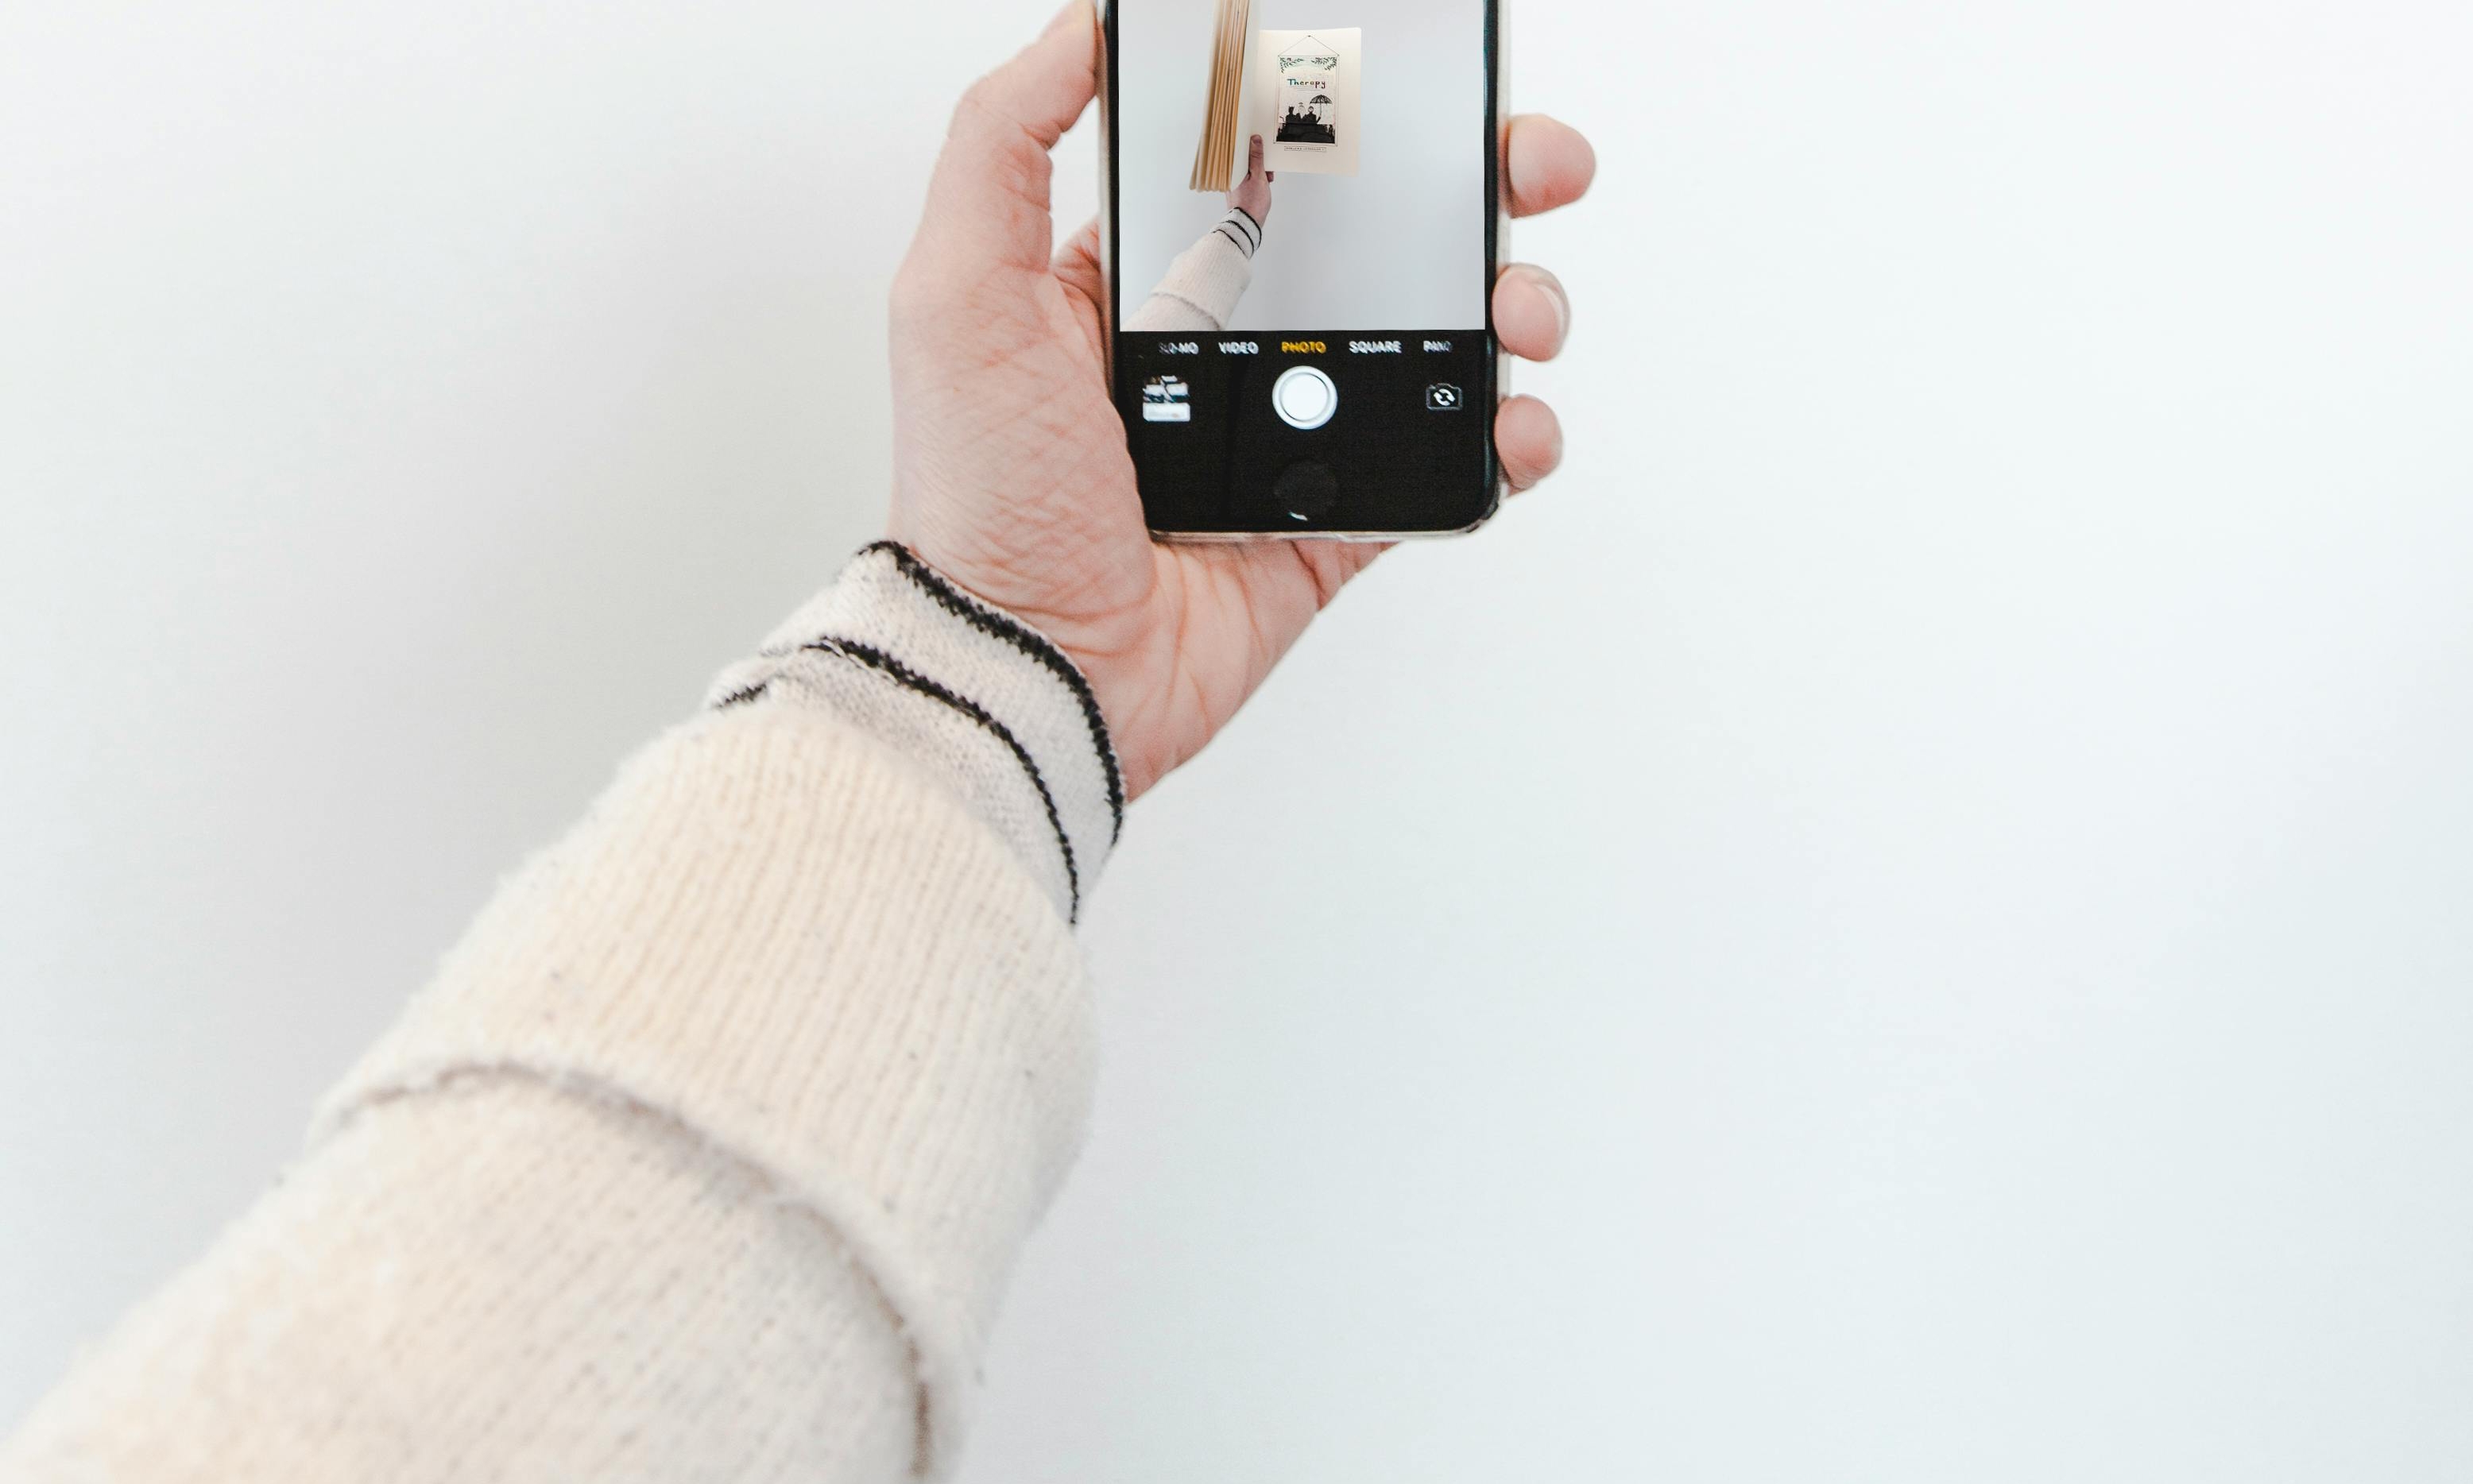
x=1202 y=285
x=708 y=1150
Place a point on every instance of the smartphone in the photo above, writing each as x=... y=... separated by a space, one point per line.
x=1330 y=370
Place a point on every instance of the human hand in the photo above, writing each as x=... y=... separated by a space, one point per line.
x=1010 y=475
x=1253 y=193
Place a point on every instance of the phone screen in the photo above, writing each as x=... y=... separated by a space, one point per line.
x=1305 y=348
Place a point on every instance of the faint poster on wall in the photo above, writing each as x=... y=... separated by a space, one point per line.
x=1306 y=98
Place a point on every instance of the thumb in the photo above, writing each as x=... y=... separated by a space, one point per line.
x=989 y=195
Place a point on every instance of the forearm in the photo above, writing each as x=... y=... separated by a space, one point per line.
x=710 y=1147
x=504 y=1277
x=1202 y=287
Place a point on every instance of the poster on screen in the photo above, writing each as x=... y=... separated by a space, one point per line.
x=1304 y=100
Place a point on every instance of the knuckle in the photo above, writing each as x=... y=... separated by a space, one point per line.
x=978 y=105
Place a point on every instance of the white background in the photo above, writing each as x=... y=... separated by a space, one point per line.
x=1398 y=245
x=1906 y=920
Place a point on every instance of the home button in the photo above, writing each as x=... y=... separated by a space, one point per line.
x=1307 y=491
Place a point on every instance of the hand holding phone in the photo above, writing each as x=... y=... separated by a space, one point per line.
x=1011 y=468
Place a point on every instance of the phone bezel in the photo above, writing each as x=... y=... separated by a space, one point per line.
x=1497 y=243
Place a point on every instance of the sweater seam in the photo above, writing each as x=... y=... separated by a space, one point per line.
x=660 y=1120
x=1188 y=303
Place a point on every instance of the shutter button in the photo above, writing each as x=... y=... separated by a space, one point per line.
x=1305 y=397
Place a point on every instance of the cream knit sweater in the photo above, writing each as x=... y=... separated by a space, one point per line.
x=1201 y=287
x=707 y=1152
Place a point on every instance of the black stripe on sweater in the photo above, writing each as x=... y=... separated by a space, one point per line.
x=757 y=691
x=908 y=679
x=1001 y=625
x=902 y=674
x=893 y=669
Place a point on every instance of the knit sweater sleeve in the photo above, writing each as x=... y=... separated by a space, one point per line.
x=1201 y=288
x=710 y=1148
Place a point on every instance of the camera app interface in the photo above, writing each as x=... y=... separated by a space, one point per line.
x=1303 y=258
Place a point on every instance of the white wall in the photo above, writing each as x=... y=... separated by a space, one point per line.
x=1904 y=920
x=1399 y=245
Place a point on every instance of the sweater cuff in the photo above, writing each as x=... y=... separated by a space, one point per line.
x=966 y=690
x=1240 y=228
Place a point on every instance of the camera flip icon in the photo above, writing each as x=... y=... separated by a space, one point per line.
x=1443 y=396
